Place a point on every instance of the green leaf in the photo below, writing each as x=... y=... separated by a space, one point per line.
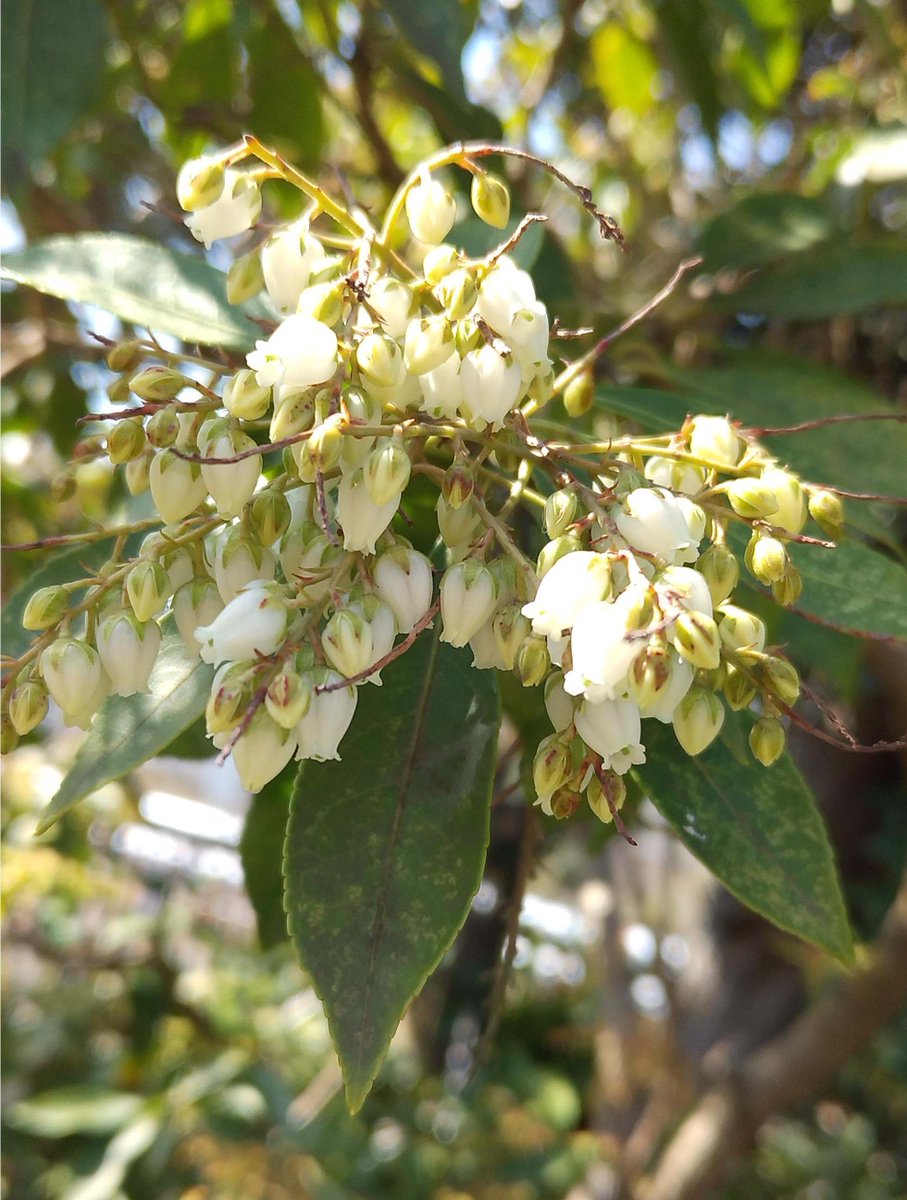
x=854 y=588
x=128 y=731
x=763 y=228
x=827 y=280
x=137 y=280
x=624 y=68
x=385 y=849
x=284 y=91
x=437 y=30
x=80 y=1108
x=757 y=829
x=261 y=851
x=684 y=24
x=53 y=64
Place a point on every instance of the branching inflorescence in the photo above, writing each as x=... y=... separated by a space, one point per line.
x=394 y=359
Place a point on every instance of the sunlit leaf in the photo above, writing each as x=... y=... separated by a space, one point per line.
x=625 y=68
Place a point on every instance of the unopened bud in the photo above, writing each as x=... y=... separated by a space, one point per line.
x=552 y=765
x=787 y=589
x=649 y=675
x=741 y=631
x=157 y=383
x=606 y=798
x=45 y=608
x=138 y=472
x=541 y=388
x=118 y=391
x=721 y=571
x=560 y=512
x=467 y=336
x=555 y=549
x=457 y=291
x=270 y=515
x=491 y=199
x=200 y=182
x=386 y=470
x=27 y=706
x=322 y=450
x=147 y=587
x=348 y=643
x=125 y=441
x=323 y=301
x=457 y=526
x=245 y=278
x=431 y=210
x=739 y=690
x=457 y=486
x=579 y=394
x=295 y=413
x=125 y=356
x=696 y=639
x=230 y=695
x=751 y=498
x=767 y=739
x=827 y=510
x=163 y=428
x=245 y=398
x=510 y=629
x=380 y=362
x=788 y=492
x=532 y=661
x=781 y=679
x=766 y=558
x=429 y=342
x=9 y=739
x=288 y=699
x=439 y=262
x=698 y=720
x=564 y=803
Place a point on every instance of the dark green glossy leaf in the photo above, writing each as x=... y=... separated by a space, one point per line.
x=261 y=851
x=854 y=588
x=762 y=229
x=385 y=849
x=284 y=91
x=437 y=30
x=684 y=25
x=53 y=62
x=757 y=829
x=144 y=283
x=128 y=731
x=833 y=278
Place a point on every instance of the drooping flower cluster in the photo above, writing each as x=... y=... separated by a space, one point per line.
x=386 y=361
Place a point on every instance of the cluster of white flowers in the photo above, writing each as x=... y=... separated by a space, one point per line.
x=297 y=589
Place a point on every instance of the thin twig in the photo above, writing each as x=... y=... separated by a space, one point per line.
x=69 y=539
x=529 y=220
x=266 y=448
x=838 y=419
x=607 y=790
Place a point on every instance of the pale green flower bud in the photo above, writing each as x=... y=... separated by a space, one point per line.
x=429 y=342
x=698 y=720
x=739 y=691
x=567 y=543
x=597 y=797
x=458 y=526
x=560 y=512
x=270 y=515
x=289 y=698
x=715 y=440
x=788 y=588
x=781 y=679
x=457 y=486
x=245 y=398
x=125 y=356
x=200 y=182
x=177 y=487
x=767 y=740
x=766 y=558
x=157 y=383
x=740 y=630
x=510 y=629
x=791 y=513
x=431 y=210
x=457 y=291
x=231 y=694
x=118 y=391
x=563 y=804
x=751 y=498
x=541 y=388
x=827 y=510
x=439 y=262
x=552 y=766
x=579 y=394
x=721 y=571
x=361 y=409
x=27 y=706
x=467 y=336
x=9 y=738
x=147 y=587
x=138 y=473
x=468 y=598
x=322 y=450
x=491 y=199
x=532 y=661
x=380 y=363
x=347 y=641
x=245 y=278
x=294 y=413
x=696 y=639
x=386 y=470
x=125 y=441
x=163 y=428
x=45 y=608
x=650 y=674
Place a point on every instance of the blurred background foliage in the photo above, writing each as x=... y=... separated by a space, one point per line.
x=151 y=1049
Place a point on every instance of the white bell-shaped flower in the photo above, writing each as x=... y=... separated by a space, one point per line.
x=714 y=440
x=262 y=752
x=674 y=474
x=288 y=260
x=253 y=623
x=230 y=484
x=347 y=642
x=603 y=648
x=431 y=210
x=177 y=487
x=529 y=334
x=403 y=580
x=428 y=343
x=697 y=720
x=684 y=587
x=381 y=366
x=128 y=650
x=653 y=522
x=788 y=491
x=392 y=301
x=442 y=389
x=195 y=603
x=237 y=209
x=612 y=729
x=491 y=386
x=505 y=291
x=468 y=599
x=239 y=561
x=382 y=625
x=72 y=671
x=321 y=730
x=361 y=519
x=575 y=581
x=559 y=706
x=486 y=653
x=299 y=353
